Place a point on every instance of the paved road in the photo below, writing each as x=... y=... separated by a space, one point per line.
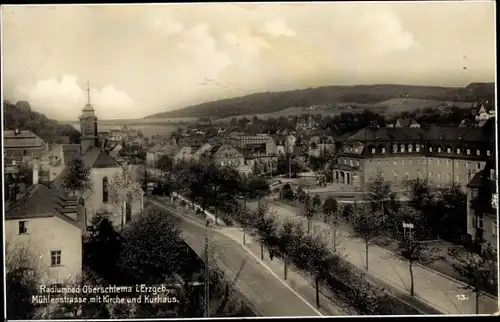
x=270 y=295
x=439 y=291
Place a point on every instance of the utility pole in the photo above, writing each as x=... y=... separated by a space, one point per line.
x=207 y=274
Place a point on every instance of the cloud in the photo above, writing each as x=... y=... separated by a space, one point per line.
x=278 y=28
x=168 y=26
x=386 y=31
x=62 y=98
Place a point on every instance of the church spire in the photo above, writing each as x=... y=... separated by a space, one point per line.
x=88 y=93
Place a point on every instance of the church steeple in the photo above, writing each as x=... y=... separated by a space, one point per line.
x=88 y=125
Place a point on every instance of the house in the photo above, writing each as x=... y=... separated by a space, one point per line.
x=46 y=223
x=321 y=146
x=259 y=145
x=22 y=145
x=441 y=155
x=224 y=155
x=51 y=164
x=404 y=122
x=169 y=148
x=483 y=227
x=280 y=142
x=185 y=153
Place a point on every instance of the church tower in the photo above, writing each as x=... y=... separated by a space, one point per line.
x=88 y=126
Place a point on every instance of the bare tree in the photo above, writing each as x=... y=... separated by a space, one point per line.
x=122 y=190
x=480 y=270
x=368 y=224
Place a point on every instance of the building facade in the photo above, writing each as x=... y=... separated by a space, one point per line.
x=450 y=155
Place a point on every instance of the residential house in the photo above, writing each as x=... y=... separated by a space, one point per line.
x=483 y=227
x=198 y=154
x=185 y=153
x=321 y=146
x=45 y=226
x=260 y=145
x=224 y=155
x=440 y=155
x=19 y=145
x=51 y=164
x=280 y=142
x=306 y=123
x=169 y=148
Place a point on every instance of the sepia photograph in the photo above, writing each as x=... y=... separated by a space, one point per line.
x=245 y=160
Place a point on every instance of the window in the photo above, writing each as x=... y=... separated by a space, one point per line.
x=457 y=179
x=430 y=149
x=373 y=150
x=419 y=174
x=488 y=152
x=417 y=147
x=55 y=258
x=430 y=174
x=394 y=148
x=407 y=176
x=458 y=151
x=23 y=227
x=448 y=162
x=383 y=150
x=448 y=150
x=357 y=163
x=410 y=148
x=356 y=150
x=410 y=161
x=439 y=150
x=105 y=190
x=468 y=151
x=477 y=222
x=350 y=163
x=457 y=163
x=467 y=164
x=396 y=177
x=438 y=161
x=439 y=176
x=402 y=162
x=402 y=148
x=448 y=176
x=478 y=152
x=479 y=166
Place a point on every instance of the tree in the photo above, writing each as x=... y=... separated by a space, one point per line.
x=423 y=200
x=478 y=269
x=288 y=241
x=301 y=194
x=318 y=260
x=165 y=163
x=310 y=208
x=122 y=190
x=287 y=192
x=367 y=225
x=22 y=281
x=379 y=192
x=452 y=209
x=101 y=248
x=257 y=188
x=77 y=177
x=414 y=248
x=364 y=295
x=153 y=248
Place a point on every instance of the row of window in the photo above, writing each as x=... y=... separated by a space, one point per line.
x=439 y=176
x=402 y=149
x=468 y=165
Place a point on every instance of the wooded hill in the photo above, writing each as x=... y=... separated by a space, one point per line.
x=269 y=102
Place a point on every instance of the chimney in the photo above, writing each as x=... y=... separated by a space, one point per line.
x=36 y=178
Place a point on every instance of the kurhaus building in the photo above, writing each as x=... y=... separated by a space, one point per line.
x=440 y=155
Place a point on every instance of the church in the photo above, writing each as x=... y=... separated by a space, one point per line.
x=102 y=169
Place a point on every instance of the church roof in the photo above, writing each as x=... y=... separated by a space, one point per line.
x=95 y=157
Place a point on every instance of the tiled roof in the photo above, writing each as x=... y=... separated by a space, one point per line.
x=43 y=201
x=25 y=139
x=387 y=134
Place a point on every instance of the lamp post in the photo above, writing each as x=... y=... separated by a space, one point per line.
x=207 y=271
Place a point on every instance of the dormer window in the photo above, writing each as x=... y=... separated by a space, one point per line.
x=402 y=148
x=468 y=151
x=410 y=148
x=430 y=149
x=355 y=150
x=373 y=150
x=458 y=151
x=383 y=150
x=488 y=152
x=439 y=150
x=448 y=150
x=417 y=147
x=394 y=148
x=478 y=152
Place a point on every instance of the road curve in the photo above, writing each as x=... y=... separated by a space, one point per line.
x=268 y=294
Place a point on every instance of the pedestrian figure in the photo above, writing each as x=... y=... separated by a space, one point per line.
x=271 y=254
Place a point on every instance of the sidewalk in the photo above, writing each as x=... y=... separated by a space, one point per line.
x=437 y=290
x=301 y=284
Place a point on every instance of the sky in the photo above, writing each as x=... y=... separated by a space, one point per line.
x=146 y=59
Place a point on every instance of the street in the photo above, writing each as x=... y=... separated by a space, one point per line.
x=442 y=293
x=268 y=294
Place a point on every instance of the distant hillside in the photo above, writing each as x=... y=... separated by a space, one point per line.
x=271 y=102
x=21 y=115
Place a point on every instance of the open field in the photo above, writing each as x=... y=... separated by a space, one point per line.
x=393 y=105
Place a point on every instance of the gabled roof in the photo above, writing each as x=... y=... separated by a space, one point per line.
x=403 y=122
x=95 y=157
x=43 y=201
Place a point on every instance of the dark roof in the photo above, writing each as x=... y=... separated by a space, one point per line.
x=387 y=134
x=43 y=201
x=95 y=157
x=454 y=134
x=403 y=122
x=24 y=139
x=70 y=151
